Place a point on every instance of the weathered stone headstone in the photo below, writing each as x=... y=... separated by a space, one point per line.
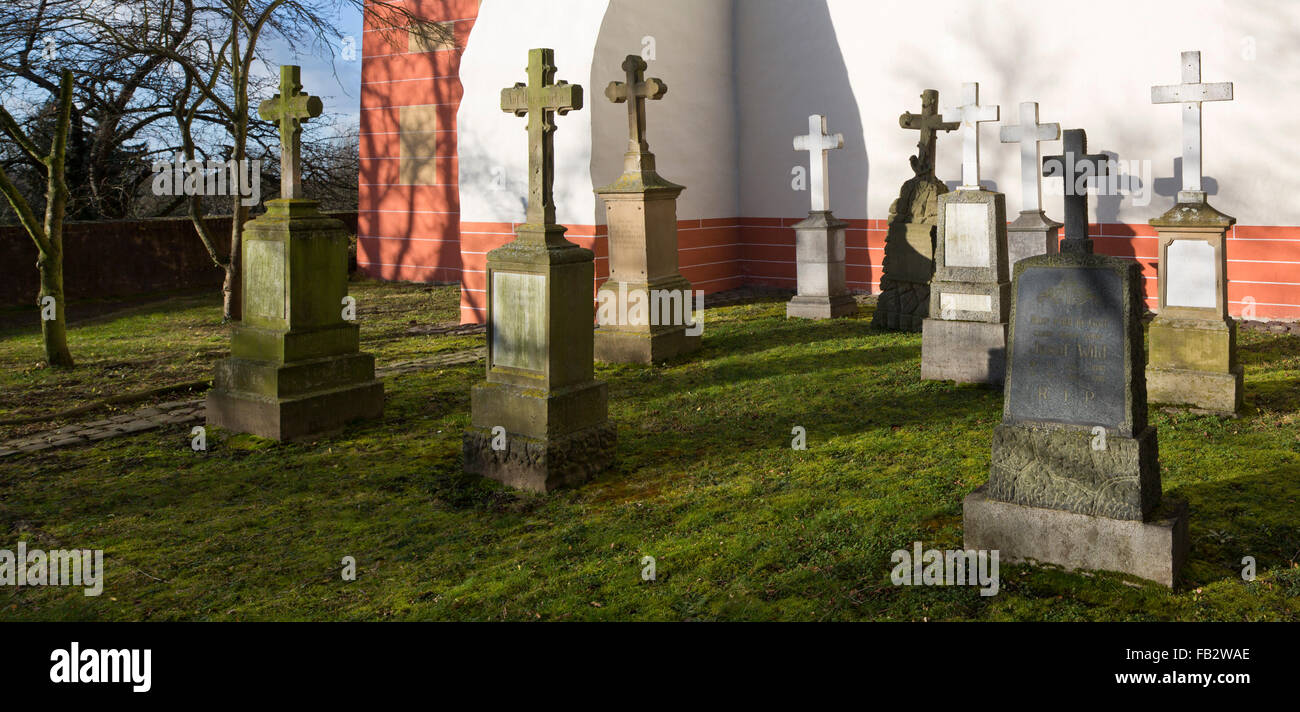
x=641 y=210
x=540 y=420
x=965 y=337
x=908 y=264
x=295 y=368
x=819 y=238
x=1033 y=233
x=1074 y=477
x=1193 y=342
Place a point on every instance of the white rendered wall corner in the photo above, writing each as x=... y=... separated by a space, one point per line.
x=492 y=145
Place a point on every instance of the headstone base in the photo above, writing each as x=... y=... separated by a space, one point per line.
x=540 y=464
x=1198 y=368
x=821 y=307
x=1155 y=549
x=1072 y=469
x=1031 y=234
x=819 y=257
x=905 y=284
x=952 y=350
x=901 y=306
x=643 y=347
x=299 y=410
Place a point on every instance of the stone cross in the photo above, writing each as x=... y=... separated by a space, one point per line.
x=818 y=143
x=929 y=123
x=971 y=115
x=289 y=108
x=1190 y=94
x=635 y=91
x=539 y=99
x=1028 y=134
x=1072 y=165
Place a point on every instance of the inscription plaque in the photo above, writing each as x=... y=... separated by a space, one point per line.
x=519 y=320
x=1190 y=274
x=966 y=235
x=1068 y=347
x=264 y=292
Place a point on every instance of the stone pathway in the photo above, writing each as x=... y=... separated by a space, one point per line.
x=187 y=412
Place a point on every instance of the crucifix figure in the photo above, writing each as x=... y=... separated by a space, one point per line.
x=817 y=143
x=539 y=99
x=1076 y=167
x=929 y=123
x=289 y=108
x=1028 y=134
x=970 y=114
x=634 y=92
x=1190 y=94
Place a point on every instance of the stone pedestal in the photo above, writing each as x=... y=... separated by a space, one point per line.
x=1033 y=233
x=1193 y=342
x=965 y=337
x=645 y=307
x=295 y=369
x=908 y=265
x=1074 y=475
x=819 y=254
x=540 y=390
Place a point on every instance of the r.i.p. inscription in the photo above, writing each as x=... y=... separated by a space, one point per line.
x=1067 y=354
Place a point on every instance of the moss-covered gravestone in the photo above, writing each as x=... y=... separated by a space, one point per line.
x=645 y=305
x=540 y=420
x=295 y=369
x=909 y=245
x=1074 y=478
x=1193 y=342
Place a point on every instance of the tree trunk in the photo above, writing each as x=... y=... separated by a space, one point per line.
x=53 y=331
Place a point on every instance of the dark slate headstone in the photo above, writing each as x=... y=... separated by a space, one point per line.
x=1076 y=364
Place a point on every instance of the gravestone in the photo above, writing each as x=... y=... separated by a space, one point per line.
x=1076 y=168
x=641 y=209
x=819 y=238
x=1074 y=478
x=1193 y=342
x=295 y=368
x=908 y=264
x=1033 y=233
x=965 y=337
x=540 y=419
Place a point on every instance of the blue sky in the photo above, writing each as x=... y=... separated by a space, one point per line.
x=342 y=93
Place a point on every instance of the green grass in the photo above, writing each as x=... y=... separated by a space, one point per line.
x=742 y=526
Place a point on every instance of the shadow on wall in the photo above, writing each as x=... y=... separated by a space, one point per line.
x=773 y=105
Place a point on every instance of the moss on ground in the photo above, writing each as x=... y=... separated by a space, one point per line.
x=742 y=527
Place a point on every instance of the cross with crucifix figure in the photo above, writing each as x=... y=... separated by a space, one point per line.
x=971 y=115
x=818 y=143
x=1190 y=94
x=1028 y=134
x=1076 y=167
x=634 y=92
x=289 y=108
x=539 y=99
x=929 y=123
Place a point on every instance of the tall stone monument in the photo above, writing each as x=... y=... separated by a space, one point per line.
x=1193 y=342
x=540 y=419
x=295 y=368
x=1033 y=233
x=641 y=209
x=1075 y=476
x=819 y=238
x=965 y=338
x=908 y=265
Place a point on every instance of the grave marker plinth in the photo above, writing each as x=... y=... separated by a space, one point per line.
x=295 y=368
x=540 y=420
x=819 y=239
x=641 y=212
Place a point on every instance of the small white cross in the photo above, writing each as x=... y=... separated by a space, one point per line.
x=817 y=143
x=1190 y=94
x=1029 y=133
x=971 y=115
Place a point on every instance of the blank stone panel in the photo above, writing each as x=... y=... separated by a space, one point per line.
x=1190 y=281
x=519 y=320
x=417 y=131
x=965 y=236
